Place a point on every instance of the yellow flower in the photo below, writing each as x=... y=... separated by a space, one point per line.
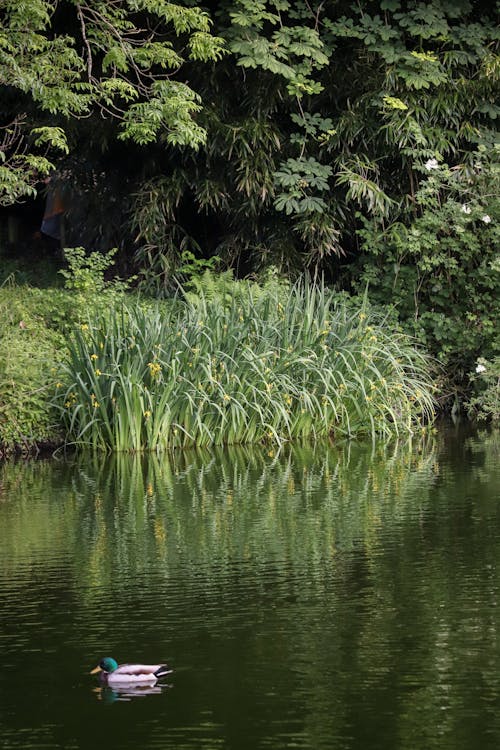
x=93 y=356
x=147 y=413
x=84 y=327
x=154 y=369
x=58 y=385
x=227 y=397
x=98 y=372
x=362 y=315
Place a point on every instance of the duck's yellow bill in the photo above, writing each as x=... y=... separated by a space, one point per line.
x=96 y=670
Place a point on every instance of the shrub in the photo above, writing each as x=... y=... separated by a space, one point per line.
x=485 y=402
x=30 y=351
x=441 y=270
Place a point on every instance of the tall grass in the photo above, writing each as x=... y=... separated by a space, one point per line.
x=269 y=368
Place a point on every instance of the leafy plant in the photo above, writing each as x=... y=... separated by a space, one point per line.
x=440 y=270
x=95 y=59
x=485 y=402
x=85 y=277
x=31 y=349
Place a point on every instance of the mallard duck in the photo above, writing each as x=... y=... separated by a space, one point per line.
x=111 y=673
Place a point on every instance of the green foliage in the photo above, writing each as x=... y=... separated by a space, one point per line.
x=34 y=326
x=169 y=108
x=94 y=58
x=297 y=177
x=291 y=51
x=31 y=342
x=441 y=269
x=304 y=148
x=202 y=285
x=85 y=278
x=284 y=174
x=256 y=370
x=162 y=240
x=485 y=402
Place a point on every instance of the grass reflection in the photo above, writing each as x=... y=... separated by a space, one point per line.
x=147 y=511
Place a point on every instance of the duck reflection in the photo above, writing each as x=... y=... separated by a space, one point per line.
x=116 y=693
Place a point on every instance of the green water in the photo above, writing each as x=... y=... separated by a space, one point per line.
x=323 y=597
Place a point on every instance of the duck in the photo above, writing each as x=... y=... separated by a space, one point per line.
x=111 y=673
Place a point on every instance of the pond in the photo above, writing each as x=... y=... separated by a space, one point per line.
x=314 y=597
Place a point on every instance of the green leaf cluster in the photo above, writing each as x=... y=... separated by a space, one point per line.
x=69 y=59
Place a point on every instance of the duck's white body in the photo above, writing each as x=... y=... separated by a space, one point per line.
x=131 y=674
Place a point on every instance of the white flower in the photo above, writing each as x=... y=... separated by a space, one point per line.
x=480 y=368
x=431 y=164
x=466 y=209
x=486 y=219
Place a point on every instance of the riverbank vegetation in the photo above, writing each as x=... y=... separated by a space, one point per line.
x=224 y=361
x=287 y=364
x=233 y=362
x=355 y=142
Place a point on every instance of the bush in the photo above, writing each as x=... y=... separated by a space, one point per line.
x=31 y=349
x=485 y=403
x=441 y=271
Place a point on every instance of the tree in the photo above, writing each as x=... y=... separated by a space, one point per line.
x=324 y=113
x=65 y=59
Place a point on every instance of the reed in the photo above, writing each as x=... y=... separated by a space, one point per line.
x=271 y=367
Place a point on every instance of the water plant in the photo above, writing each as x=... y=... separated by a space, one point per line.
x=268 y=367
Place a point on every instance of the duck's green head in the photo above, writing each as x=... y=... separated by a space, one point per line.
x=108 y=664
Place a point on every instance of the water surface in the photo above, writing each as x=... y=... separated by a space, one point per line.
x=320 y=597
